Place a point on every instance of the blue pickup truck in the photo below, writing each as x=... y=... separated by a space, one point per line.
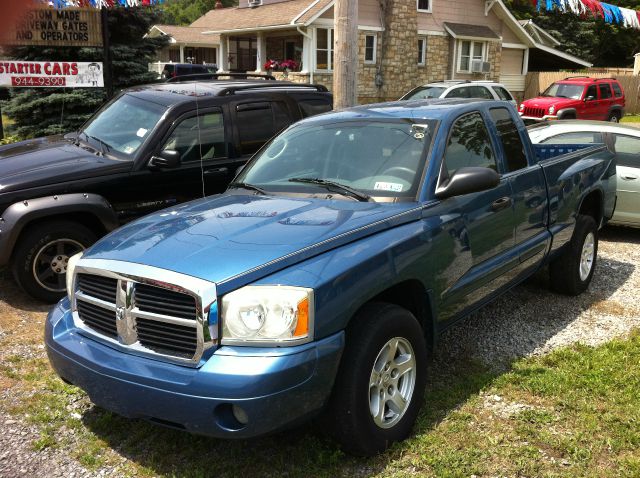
x=321 y=279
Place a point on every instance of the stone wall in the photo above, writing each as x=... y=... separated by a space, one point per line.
x=436 y=67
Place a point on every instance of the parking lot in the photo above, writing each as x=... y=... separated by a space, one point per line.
x=50 y=429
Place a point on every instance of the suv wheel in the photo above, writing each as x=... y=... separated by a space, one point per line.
x=380 y=385
x=40 y=260
x=614 y=117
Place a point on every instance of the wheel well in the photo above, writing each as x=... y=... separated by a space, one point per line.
x=412 y=296
x=592 y=206
x=88 y=220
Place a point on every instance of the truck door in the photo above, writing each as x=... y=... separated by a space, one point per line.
x=529 y=194
x=486 y=220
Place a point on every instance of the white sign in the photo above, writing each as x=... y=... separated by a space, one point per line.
x=48 y=74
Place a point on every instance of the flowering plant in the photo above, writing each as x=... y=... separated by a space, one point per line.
x=271 y=65
x=289 y=64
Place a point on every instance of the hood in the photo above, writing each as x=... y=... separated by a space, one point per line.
x=222 y=237
x=546 y=101
x=46 y=161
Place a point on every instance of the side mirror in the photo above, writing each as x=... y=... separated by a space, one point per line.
x=468 y=180
x=167 y=159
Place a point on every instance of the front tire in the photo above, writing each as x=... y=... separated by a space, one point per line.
x=380 y=385
x=572 y=272
x=40 y=260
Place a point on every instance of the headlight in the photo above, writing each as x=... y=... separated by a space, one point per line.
x=521 y=106
x=71 y=267
x=267 y=315
x=552 y=109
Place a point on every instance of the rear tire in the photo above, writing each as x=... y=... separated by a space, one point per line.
x=571 y=273
x=40 y=259
x=614 y=117
x=380 y=385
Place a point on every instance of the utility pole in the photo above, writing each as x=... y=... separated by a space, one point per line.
x=345 y=68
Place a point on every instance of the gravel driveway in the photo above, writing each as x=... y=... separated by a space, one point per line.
x=529 y=320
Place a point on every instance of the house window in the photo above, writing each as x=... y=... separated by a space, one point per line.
x=469 y=51
x=424 y=5
x=324 y=49
x=422 y=50
x=370 y=49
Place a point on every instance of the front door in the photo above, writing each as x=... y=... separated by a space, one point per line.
x=590 y=104
x=487 y=225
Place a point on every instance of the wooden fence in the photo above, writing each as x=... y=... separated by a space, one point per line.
x=539 y=81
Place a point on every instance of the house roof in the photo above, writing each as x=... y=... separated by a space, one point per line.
x=270 y=16
x=186 y=34
x=462 y=30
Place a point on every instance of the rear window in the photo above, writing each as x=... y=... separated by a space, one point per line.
x=514 y=153
x=502 y=93
x=313 y=107
x=578 y=137
x=617 y=89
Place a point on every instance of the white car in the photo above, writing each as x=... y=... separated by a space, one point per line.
x=625 y=140
x=461 y=89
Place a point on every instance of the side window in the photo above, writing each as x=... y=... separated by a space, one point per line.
x=592 y=93
x=605 y=91
x=514 y=153
x=462 y=92
x=469 y=145
x=627 y=150
x=580 y=137
x=502 y=93
x=617 y=89
x=480 y=92
x=258 y=122
x=199 y=137
x=312 y=107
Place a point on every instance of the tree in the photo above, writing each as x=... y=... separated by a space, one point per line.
x=185 y=12
x=594 y=40
x=46 y=111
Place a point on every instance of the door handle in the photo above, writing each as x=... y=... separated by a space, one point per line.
x=629 y=177
x=501 y=203
x=216 y=170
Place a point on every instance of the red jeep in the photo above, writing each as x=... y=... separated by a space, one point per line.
x=577 y=97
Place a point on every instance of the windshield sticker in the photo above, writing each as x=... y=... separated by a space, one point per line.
x=384 y=186
x=420 y=130
x=129 y=149
x=141 y=132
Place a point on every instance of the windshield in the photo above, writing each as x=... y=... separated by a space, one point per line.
x=563 y=90
x=424 y=93
x=123 y=126
x=377 y=158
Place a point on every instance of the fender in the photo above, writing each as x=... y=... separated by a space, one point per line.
x=17 y=216
x=565 y=111
x=618 y=108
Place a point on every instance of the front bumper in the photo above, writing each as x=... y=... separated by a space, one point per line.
x=275 y=387
x=537 y=120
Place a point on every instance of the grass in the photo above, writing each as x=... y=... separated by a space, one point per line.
x=630 y=119
x=575 y=412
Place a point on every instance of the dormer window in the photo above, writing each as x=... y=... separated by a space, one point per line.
x=424 y=6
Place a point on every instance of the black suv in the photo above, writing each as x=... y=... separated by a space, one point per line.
x=149 y=148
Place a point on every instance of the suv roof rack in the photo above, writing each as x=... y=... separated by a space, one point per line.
x=578 y=76
x=302 y=86
x=215 y=76
x=606 y=78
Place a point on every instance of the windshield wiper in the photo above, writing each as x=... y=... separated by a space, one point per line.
x=252 y=187
x=101 y=143
x=341 y=188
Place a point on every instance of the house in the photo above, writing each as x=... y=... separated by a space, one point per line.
x=402 y=43
x=186 y=45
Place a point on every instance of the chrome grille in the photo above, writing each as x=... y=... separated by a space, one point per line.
x=162 y=319
x=534 y=112
x=164 y=301
x=100 y=287
x=99 y=319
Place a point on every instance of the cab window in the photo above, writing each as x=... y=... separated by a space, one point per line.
x=199 y=137
x=514 y=153
x=469 y=145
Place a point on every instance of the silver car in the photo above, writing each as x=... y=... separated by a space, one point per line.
x=461 y=89
x=625 y=140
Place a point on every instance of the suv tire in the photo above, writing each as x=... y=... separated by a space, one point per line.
x=380 y=384
x=40 y=260
x=614 y=117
